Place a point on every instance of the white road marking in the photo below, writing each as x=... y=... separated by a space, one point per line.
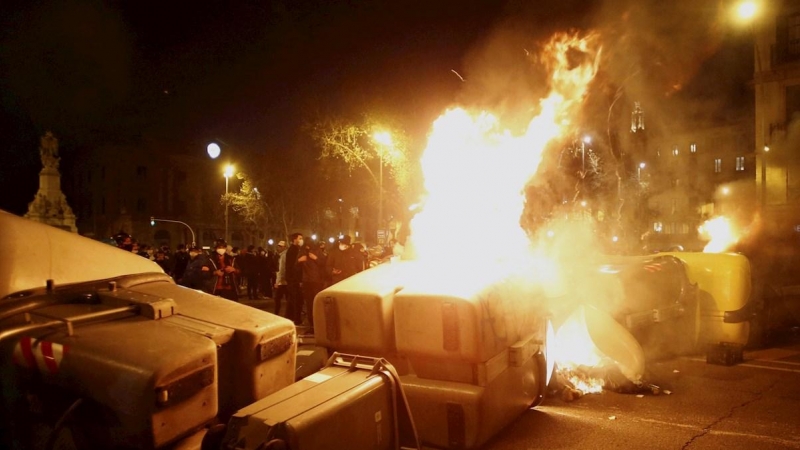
x=773 y=439
x=758 y=366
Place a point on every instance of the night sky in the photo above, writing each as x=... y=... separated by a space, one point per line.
x=253 y=73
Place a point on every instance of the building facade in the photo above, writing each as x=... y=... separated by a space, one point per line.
x=120 y=188
x=777 y=115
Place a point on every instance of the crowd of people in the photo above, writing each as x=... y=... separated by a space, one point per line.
x=291 y=274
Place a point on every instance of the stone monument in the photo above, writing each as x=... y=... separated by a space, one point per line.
x=50 y=204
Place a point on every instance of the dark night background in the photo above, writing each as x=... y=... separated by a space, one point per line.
x=253 y=73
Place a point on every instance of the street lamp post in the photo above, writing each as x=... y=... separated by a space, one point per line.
x=748 y=11
x=639 y=171
x=584 y=141
x=227 y=173
x=385 y=139
x=764 y=177
x=153 y=221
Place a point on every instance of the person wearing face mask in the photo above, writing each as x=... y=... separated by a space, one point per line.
x=124 y=241
x=313 y=267
x=199 y=271
x=294 y=278
x=226 y=272
x=344 y=261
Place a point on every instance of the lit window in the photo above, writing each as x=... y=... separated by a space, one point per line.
x=717 y=165
x=658 y=227
x=739 y=163
x=674 y=150
x=693 y=147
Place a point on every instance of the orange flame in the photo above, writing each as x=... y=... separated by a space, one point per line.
x=475 y=171
x=573 y=347
x=721 y=232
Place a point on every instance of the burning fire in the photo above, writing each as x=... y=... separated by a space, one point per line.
x=721 y=232
x=573 y=347
x=476 y=170
x=475 y=173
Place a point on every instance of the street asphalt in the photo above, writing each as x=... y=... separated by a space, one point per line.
x=752 y=405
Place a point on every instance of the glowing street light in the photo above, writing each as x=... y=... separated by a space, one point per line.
x=639 y=170
x=228 y=172
x=747 y=10
x=213 y=150
x=271 y=241
x=726 y=190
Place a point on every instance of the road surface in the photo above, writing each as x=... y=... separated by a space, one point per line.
x=753 y=405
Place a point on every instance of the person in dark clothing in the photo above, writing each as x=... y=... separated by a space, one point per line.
x=263 y=265
x=274 y=263
x=226 y=271
x=294 y=278
x=248 y=266
x=345 y=261
x=180 y=260
x=313 y=267
x=322 y=257
x=163 y=262
x=199 y=272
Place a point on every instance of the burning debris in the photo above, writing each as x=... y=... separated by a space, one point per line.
x=594 y=353
x=573 y=383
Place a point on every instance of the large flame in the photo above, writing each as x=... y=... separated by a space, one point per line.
x=475 y=172
x=721 y=232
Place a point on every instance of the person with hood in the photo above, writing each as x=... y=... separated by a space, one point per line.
x=345 y=261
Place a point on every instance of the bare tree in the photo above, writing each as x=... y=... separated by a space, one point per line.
x=355 y=144
x=265 y=206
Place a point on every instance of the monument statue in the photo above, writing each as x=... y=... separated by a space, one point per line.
x=48 y=150
x=50 y=204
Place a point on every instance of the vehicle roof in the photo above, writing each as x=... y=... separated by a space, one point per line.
x=32 y=253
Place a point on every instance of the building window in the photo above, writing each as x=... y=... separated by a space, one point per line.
x=788 y=38
x=674 y=150
x=658 y=227
x=739 y=163
x=717 y=165
x=693 y=147
x=793 y=34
